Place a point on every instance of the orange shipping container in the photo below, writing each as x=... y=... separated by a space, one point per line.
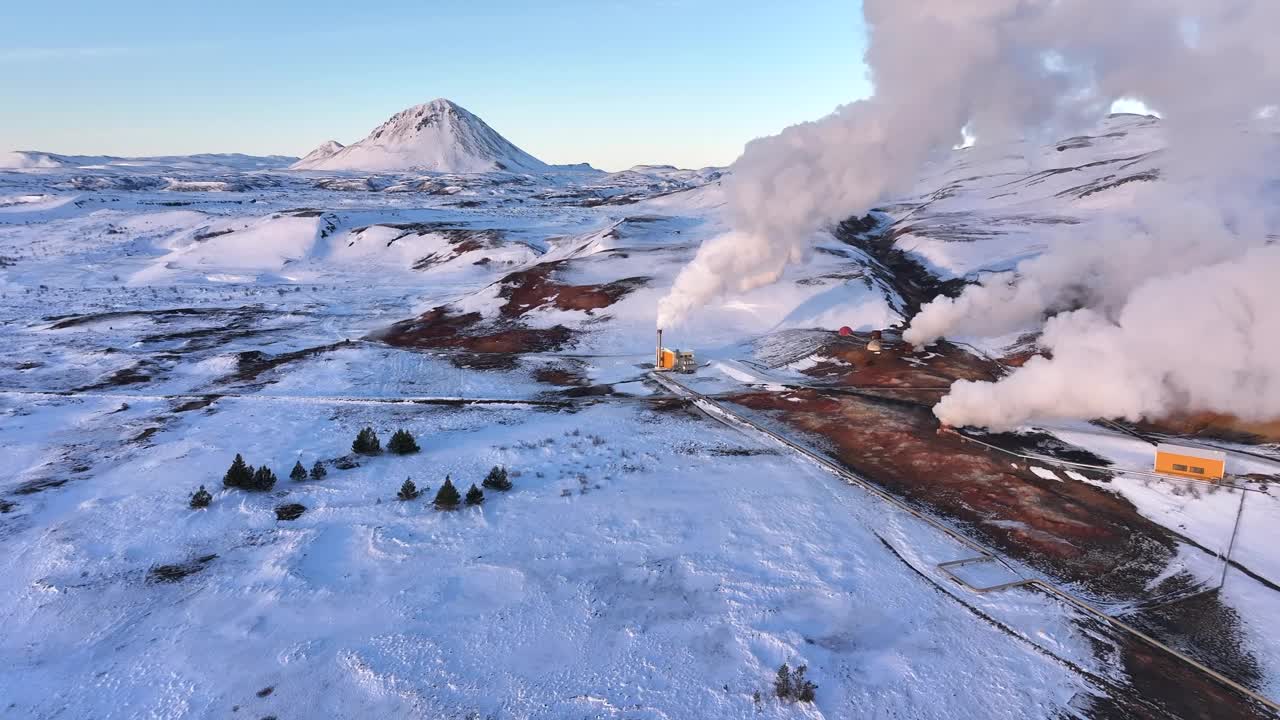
x=1196 y=463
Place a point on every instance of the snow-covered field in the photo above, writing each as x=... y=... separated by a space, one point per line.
x=640 y=567
x=160 y=317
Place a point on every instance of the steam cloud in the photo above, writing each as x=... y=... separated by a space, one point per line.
x=1165 y=309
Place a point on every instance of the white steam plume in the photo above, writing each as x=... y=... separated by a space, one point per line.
x=1206 y=338
x=1174 y=307
x=1171 y=307
x=1003 y=68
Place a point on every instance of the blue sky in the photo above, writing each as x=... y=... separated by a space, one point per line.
x=610 y=83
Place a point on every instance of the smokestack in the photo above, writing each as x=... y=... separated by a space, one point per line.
x=657 y=355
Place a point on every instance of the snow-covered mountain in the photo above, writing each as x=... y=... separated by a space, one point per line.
x=323 y=151
x=440 y=136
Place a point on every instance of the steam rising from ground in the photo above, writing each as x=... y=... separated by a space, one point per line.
x=1188 y=262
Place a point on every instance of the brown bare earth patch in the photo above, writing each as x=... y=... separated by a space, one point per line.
x=845 y=360
x=441 y=328
x=525 y=290
x=1216 y=426
x=536 y=287
x=1160 y=685
x=559 y=375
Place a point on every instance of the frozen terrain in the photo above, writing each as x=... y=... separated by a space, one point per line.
x=162 y=315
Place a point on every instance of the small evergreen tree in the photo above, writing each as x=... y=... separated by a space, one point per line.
x=239 y=474
x=402 y=443
x=408 y=491
x=448 y=497
x=475 y=495
x=366 y=443
x=298 y=473
x=263 y=479
x=200 y=499
x=801 y=687
x=317 y=471
x=782 y=683
x=497 y=479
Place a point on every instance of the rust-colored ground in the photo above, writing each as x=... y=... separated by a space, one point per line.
x=441 y=328
x=1217 y=426
x=847 y=361
x=526 y=290
x=537 y=287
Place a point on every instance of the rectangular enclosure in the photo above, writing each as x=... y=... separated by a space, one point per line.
x=1197 y=463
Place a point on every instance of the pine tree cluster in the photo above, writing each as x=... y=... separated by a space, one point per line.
x=366 y=443
x=402 y=443
x=298 y=473
x=789 y=685
x=475 y=495
x=497 y=479
x=318 y=472
x=246 y=477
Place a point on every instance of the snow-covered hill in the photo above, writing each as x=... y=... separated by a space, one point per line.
x=440 y=136
x=323 y=151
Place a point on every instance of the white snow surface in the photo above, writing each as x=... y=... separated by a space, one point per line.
x=601 y=581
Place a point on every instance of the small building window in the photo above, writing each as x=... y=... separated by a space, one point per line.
x=1197 y=470
x=1179 y=468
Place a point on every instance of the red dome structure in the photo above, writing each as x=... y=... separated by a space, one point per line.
x=846 y=331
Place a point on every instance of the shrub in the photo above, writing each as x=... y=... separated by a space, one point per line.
x=497 y=479
x=263 y=479
x=239 y=475
x=317 y=471
x=291 y=511
x=448 y=497
x=298 y=473
x=408 y=491
x=366 y=443
x=402 y=443
x=475 y=495
x=200 y=499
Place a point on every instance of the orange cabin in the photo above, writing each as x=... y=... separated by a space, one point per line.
x=666 y=359
x=1196 y=463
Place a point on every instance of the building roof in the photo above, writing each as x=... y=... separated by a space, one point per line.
x=1192 y=451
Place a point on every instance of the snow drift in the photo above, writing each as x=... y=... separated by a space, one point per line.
x=439 y=136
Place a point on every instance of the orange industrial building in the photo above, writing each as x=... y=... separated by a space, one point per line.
x=681 y=361
x=1197 y=463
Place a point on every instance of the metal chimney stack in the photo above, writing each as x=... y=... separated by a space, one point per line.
x=657 y=354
